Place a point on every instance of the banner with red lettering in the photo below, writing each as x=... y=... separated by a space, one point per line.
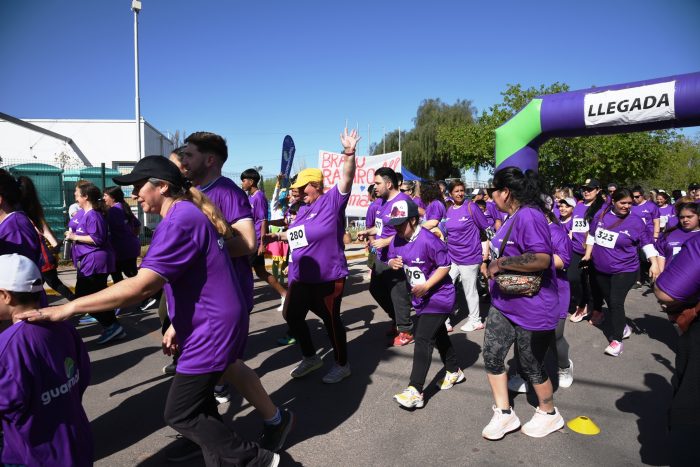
x=331 y=164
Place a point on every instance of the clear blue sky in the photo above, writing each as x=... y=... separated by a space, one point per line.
x=254 y=71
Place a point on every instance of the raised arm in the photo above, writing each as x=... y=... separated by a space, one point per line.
x=349 y=142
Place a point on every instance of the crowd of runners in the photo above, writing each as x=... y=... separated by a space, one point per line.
x=539 y=258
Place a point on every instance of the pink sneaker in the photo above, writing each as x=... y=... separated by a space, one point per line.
x=614 y=349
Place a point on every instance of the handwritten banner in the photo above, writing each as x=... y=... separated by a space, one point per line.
x=331 y=164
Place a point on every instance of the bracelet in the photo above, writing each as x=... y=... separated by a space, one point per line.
x=349 y=153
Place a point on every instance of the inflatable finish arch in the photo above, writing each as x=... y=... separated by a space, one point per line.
x=655 y=104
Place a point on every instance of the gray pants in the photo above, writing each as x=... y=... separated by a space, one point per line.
x=388 y=287
x=467 y=275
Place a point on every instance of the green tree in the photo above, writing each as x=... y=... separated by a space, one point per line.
x=679 y=166
x=420 y=146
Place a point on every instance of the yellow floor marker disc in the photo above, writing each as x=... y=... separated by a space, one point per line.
x=583 y=425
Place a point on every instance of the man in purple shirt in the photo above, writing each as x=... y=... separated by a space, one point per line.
x=202 y=161
x=387 y=286
x=44 y=371
x=249 y=182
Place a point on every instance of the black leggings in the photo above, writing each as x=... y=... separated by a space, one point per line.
x=584 y=290
x=615 y=288
x=87 y=285
x=429 y=332
x=51 y=278
x=324 y=301
x=125 y=266
x=191 y=410
x=532 y=346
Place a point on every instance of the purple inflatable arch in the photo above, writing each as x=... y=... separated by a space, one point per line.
x=655 y=104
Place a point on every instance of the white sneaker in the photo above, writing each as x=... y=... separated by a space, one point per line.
x=306 y=366
x=566 y=375
x=281 y=307
x=541 y=424
x=500 y=424
x=470 y=326
x=448 y=325
x=451 y=379
x=517 y=384
x=627 y=332
x=409 y=398
x=337 y=374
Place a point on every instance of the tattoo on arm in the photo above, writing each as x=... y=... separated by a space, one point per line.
x=525 y=258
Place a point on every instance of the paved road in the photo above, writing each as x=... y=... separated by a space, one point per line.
x=356 y=421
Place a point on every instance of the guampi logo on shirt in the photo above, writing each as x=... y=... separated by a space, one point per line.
x=73 y=375
x=417 y=261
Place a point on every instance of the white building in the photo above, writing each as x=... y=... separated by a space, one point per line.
x=73 y=143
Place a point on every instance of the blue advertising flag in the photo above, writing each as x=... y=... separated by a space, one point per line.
x=288 y=150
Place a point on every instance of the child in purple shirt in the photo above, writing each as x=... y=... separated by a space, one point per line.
x=426 y=263
x=44 y=371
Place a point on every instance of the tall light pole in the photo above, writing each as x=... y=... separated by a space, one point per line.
x=136 y=8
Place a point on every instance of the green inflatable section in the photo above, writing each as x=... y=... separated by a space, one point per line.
x=517 y=132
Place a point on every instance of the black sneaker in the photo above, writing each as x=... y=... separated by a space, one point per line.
x=170 y=368
x=183 y=450
x=274 y=436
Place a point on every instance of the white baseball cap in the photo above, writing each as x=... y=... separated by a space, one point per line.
x=570 y=201
x=19 y=274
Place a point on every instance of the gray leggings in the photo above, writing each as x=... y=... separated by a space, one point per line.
x=562 y=346
x=531 y=347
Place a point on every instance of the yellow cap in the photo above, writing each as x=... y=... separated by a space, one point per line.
x=583 y=425
x=306 y=176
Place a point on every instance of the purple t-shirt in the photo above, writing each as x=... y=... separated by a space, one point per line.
x=422 y=255
x=492 y=213
x=258 y=203
x=235 y=206
x=91 y=259
x=18 y=235
x=669 y=244
x=419 y=202
x=205 y=301
x=385 y=230
x=372 y=211
x=125 y=242
x=435 y=211
x=44 y=371
x=647 y=211
x=681 y=278
x=562 y=248
x=463 y=224
x=530 y=234
x=667 y=217
x=579 y=228
x=316 y=240
x=623 y=238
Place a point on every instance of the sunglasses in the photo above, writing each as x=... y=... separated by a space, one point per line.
x=637 y=196
x=587 y=188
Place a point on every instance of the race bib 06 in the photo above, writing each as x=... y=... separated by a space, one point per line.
x=296 y=237
x=414 y=275
x=605 y=238
x=579 y=225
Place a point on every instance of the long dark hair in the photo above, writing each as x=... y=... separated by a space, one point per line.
x=430 y=191
x=524 y=187
x=118 y=196
x=9 y=189
x=93 y=195
x=30 y=202
x=679 y=207
x=599 y=201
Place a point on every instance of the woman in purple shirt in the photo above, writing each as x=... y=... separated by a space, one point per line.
x=17 y=233
x=434 y=212
x=425 y=261
x=667 y=212
x=612 y=244
x=464 y=223
x=318 y=268
x=92 y=254
x=188 y=258
x=124 y=230
x=671 y=241
x=527 y=321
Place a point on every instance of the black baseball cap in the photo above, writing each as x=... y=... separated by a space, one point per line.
x=152 y=167
x=591 y=183
x=402 y=210
x=693 y=186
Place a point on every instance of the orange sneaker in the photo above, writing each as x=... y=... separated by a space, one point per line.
x=404 y=338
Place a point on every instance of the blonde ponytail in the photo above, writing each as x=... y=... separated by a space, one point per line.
x=208 y=208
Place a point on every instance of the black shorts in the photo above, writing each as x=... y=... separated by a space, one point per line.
x=256 y=260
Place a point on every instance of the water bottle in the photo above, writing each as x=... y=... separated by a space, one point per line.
x=67 y=249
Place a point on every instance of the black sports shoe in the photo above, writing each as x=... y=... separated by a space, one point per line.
x=274 y=436
x=183 y=450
